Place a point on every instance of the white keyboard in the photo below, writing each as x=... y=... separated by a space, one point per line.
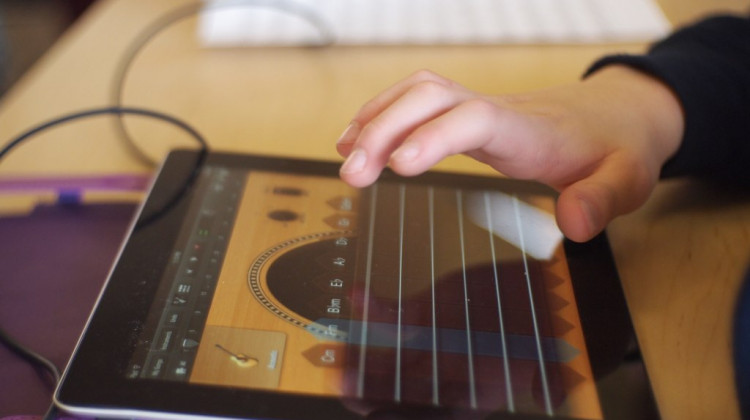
x=431 y=22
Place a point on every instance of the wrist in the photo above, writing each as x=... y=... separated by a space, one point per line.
x=652 y=101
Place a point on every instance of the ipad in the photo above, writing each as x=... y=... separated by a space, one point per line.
x=267 y=288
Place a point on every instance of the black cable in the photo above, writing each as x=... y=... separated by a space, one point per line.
x=52 y=413
x=100 y=111
x=146 y=219
x=29 y=355
x=186 y=11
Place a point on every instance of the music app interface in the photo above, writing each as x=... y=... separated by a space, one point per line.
x=399 y=293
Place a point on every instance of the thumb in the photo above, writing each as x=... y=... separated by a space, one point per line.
x=620 y=185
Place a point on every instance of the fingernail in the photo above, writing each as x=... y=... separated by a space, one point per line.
x=349 y=134
x=593 y=220
x=406 y=153
x=355 y=162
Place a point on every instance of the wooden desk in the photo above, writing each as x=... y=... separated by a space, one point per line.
x=681 y=256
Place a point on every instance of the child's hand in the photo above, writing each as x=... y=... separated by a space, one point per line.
x=600 y=142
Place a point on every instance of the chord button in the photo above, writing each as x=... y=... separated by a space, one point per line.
x=329 y=283
x=340 y=221
x=341 y=242
x=342 y=203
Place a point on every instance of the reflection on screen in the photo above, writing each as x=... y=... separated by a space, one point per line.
x=400 y=293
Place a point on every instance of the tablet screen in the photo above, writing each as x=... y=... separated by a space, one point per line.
x=411 y=292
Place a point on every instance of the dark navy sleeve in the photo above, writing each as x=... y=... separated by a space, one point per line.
x=708 y=67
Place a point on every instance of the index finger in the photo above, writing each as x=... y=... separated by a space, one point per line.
x=382 y=101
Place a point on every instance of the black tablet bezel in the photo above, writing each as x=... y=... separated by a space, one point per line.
x=94 y=382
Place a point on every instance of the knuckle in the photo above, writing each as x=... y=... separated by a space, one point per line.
x=481 y=107
x=424 y=74
x=430 y=76
x=429 y=88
